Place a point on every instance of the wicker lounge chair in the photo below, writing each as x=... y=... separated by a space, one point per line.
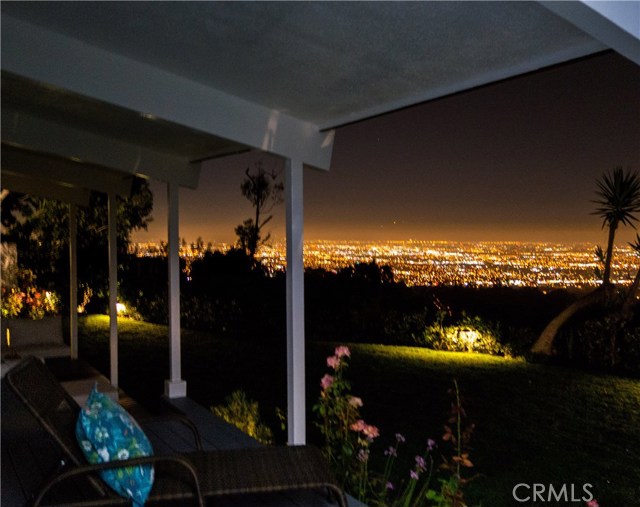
x=192 y=476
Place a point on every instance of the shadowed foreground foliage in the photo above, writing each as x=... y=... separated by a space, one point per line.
x=534 y=423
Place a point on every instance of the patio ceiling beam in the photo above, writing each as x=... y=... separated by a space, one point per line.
x=41 y=187
x=73 y=65
x=63 y=172
x=616 y=24
x=45 y=136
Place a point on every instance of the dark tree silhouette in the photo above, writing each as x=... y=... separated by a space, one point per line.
x=618 y=200
x=263 y=190
x=40 y=228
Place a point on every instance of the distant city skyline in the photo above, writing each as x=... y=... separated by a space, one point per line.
x=513 y=161
x=477 y=264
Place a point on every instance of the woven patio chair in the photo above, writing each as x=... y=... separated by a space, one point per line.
x=193 y=476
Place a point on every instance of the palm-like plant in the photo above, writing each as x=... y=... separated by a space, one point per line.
x=619 y=199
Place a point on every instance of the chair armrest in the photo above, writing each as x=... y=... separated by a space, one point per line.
x=87 y=469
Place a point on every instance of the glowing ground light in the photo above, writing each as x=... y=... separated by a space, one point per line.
x=468 y=336
x=121 y=309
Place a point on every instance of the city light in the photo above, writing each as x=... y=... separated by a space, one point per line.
x=480 y=264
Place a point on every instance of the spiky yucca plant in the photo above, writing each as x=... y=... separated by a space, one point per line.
x=619 y=199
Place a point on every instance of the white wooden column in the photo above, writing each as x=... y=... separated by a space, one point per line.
x=113 y=289
x=175 y=387
x=296 y=416
x=73 y=280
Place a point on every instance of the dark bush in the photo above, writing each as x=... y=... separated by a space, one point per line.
x=602 y=341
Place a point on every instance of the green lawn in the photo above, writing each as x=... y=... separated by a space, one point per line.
x=534 y=423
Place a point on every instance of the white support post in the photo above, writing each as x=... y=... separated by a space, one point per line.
x=296 y=416
x=113 y=289
x=175 y=387
x=73 y=280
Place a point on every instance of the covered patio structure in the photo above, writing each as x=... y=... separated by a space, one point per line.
x=94 y=93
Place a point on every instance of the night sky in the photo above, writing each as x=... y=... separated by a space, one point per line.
x=516 y=160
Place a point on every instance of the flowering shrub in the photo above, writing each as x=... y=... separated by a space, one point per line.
x=470 y=334
x=29 y=301
x=348 y=440
x=347 y=437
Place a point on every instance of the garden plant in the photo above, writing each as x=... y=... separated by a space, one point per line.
x=349 y=439
x=28 y=301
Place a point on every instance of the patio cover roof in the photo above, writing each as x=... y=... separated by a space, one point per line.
x=154 y=88
x=198 y=79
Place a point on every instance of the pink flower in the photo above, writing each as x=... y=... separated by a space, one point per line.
x=431 y=444
x=342 y=351
x=593 y=503
x=400 y=438
x=367 y=430
x=333 y=362
x=390 y=486
x=421 y=463
x=363 y=455
x=414 y=475
x=355 y=402
x=359 y=425
x=326 y=382
x=371 y=431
